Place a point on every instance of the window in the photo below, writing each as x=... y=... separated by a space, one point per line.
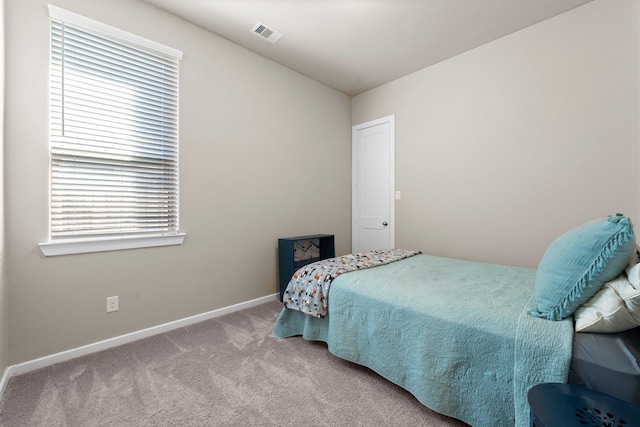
x=114 y=139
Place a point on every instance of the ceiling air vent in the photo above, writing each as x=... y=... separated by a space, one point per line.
x=269 y=34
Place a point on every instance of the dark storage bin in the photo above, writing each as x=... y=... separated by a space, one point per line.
x=567 y=405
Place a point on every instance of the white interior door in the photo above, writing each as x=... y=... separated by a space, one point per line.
x=373 y=185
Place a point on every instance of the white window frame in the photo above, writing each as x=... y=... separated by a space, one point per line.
x=75 y=245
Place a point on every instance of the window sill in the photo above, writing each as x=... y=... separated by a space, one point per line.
x=82 y=246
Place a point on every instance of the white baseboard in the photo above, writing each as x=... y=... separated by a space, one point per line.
x=4 y=381
x=42 y=362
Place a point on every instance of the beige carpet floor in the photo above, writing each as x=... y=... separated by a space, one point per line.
x=226 y=371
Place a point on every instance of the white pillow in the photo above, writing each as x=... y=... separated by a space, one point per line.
x=614 y=308
x=633 y=270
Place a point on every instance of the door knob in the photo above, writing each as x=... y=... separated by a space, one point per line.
x=385 y=223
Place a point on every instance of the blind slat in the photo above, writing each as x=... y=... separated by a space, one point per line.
x=114 y=136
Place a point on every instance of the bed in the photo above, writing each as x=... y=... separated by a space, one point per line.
x=453 y=351
x=467 y=339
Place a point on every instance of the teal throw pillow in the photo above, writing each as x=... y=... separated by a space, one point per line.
x=579 y=262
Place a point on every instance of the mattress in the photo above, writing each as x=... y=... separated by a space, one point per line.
x=608 y=363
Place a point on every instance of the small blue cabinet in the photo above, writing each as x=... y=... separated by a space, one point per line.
x=296 y=252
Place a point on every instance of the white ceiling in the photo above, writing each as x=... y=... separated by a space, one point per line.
x=356 y=45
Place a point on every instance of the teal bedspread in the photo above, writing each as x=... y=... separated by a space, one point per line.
x=456 y=334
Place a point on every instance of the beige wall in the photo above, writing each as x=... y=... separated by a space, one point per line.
x=504 y=147
x=636 y=113
x=264 y=153
x=4 y=316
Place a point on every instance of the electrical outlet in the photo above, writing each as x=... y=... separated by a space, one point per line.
x=112 y=304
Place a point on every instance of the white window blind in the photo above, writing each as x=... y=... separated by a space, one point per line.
x=114 y=132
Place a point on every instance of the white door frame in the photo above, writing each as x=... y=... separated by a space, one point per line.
x=392 y=163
